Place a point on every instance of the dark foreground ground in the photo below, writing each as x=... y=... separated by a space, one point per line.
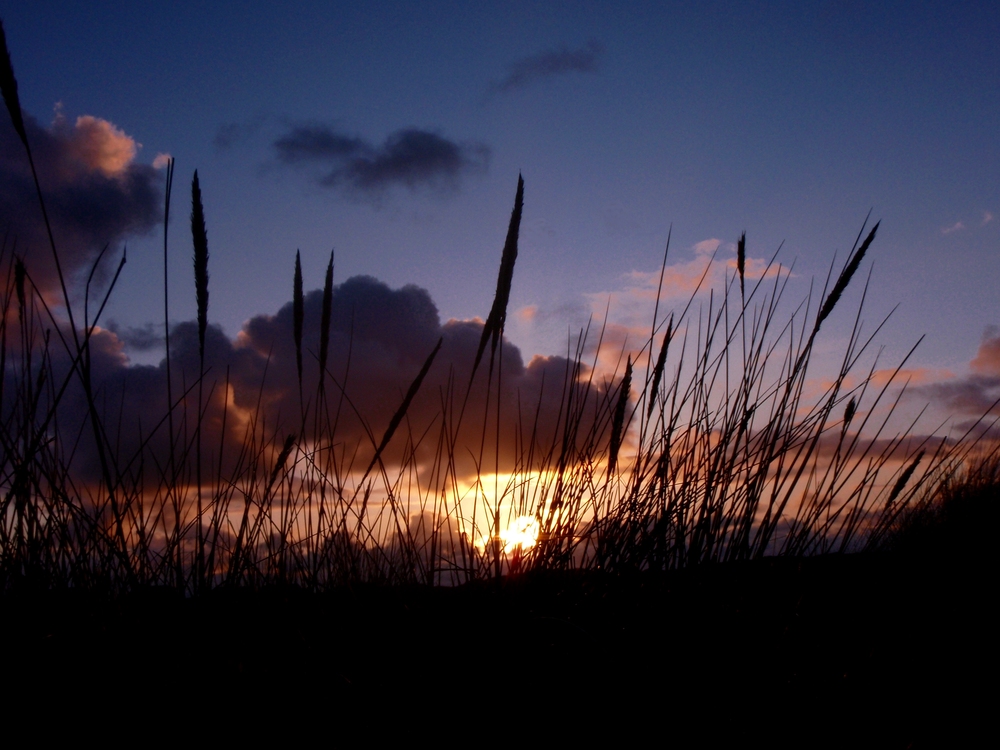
x=893 y=650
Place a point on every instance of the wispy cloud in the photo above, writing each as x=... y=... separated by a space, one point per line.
x=956 y=227
x=231 y=134
x=411 y=157
x=987 y=218
x=712 y=260
x=706 y=265
x=528 y=313
x=553 y=62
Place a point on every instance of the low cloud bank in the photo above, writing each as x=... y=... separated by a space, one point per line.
x=379 y=339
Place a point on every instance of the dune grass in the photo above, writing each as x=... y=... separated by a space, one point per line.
x=717 y=449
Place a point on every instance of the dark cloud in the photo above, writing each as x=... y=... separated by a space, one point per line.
x=227 y=136
x=549 y=63
x=410 y=157
x=94 y=192
x=379 y=339
x=139 y=338
x=310 y=143
x=987 y=359
x=975 y=394
x=231 y=134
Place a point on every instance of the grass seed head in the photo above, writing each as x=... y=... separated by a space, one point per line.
x=324 y=323
x=298 y=313
x=493 y=329
x=661 y=362
x=845 y=278
x=8 y=85
x=849 y=412
x=618 y=421
x=903 y=479
x=741 y=259
x=200 y=237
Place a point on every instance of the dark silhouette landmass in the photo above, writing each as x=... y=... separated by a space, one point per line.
x=889 y=649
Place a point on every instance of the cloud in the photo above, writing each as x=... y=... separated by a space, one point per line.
x=976 y=393
x=987 y=359
x=972 y=395
x=528 y=313
x=379 y=339
x=410 y=157
x=914 y=376
x=141 y=338
x=94 y=191
x=706 y=248
x=620 y=318
x=987 y=218
x=527 y=70
x=99 y=145
x=956 y=227
x=232 y=134
x=712 y=261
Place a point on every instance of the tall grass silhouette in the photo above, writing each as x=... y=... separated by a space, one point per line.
x=713 y=453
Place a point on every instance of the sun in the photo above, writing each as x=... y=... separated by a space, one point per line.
x=522 y=532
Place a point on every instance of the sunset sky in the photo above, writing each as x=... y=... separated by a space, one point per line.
x=395 y=132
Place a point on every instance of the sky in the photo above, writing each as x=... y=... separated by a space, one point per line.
x=393 y=134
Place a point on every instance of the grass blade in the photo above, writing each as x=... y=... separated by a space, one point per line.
x=401 y=411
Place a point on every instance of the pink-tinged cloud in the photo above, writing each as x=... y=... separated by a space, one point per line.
x=987 y=218
x=98 y=144
x=912 y=375
x=95 y=193
x=527 y=314
x=958 y=226
x=706 y=248
x=627 y=328
x=161 y=161
x=987 y=359
x=682 y=278
x=630 y=308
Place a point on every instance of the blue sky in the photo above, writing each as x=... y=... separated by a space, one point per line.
x=789 y=122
